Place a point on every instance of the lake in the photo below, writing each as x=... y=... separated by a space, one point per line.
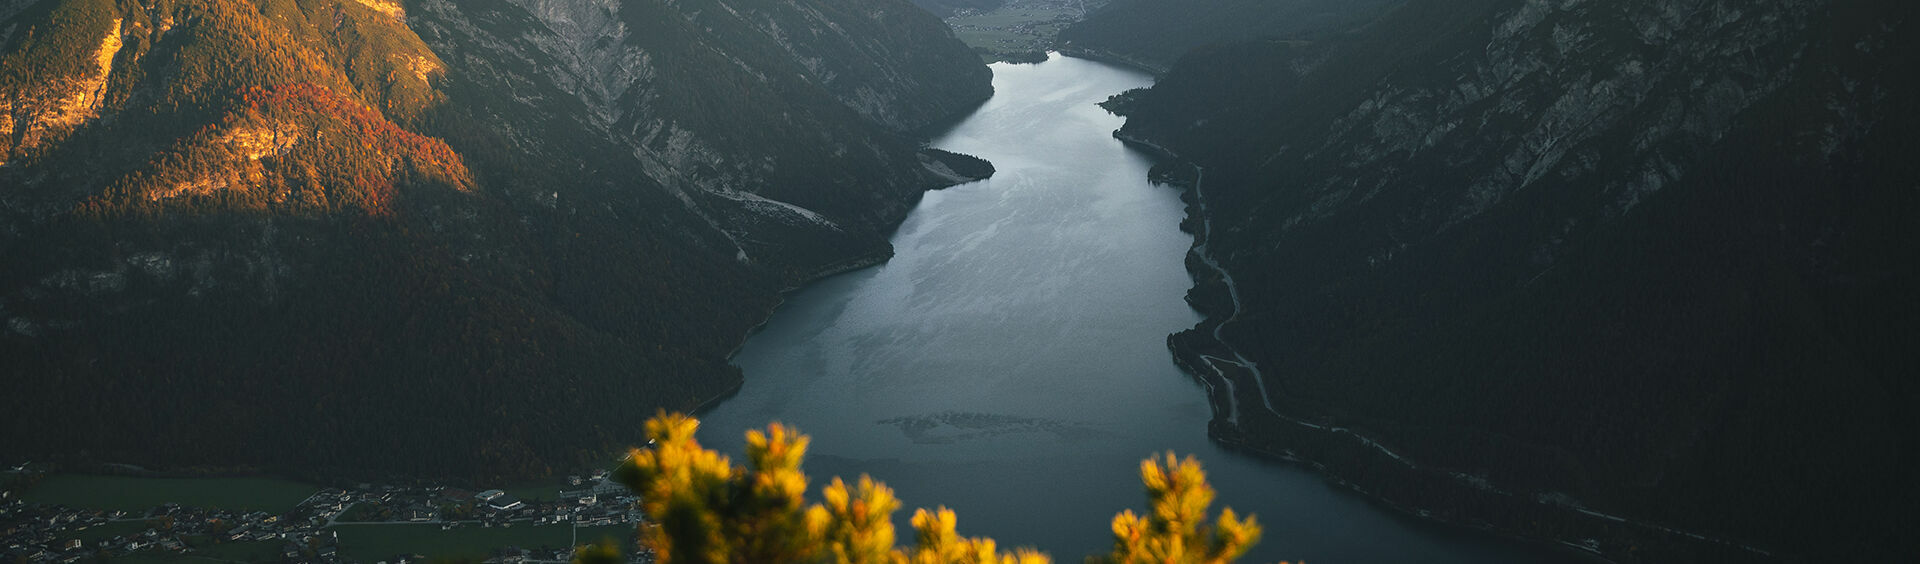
x=1010 y=361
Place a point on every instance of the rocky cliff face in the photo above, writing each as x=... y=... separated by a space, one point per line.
x=804 y=104
x=52 y=111
x=255 y=233
x=1601 y=272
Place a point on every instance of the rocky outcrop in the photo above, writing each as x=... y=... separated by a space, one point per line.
x=45 y=113
x=665 y=83
x=389 y=7
x=1568 y=73
x=598 y=64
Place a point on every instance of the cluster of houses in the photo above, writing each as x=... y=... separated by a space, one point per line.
x=48 y=533
x=42 y=534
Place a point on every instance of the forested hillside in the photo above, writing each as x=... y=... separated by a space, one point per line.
x=474 y=240
x=1152 y=34
x=1631 y=276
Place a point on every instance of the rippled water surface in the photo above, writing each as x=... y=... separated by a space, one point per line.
x=1010 y=362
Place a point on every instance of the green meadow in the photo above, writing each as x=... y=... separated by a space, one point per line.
x=377 y=542
x=139 y=494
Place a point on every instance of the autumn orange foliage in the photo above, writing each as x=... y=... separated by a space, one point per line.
x=326 y=153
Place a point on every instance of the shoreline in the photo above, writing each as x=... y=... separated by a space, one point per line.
x=829 y=270
x=850 y=264
x=1368 y=456
x=860 y=261
x=780 y=299
x=1100 y=56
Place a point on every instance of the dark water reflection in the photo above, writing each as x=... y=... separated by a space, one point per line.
x=1010 y=361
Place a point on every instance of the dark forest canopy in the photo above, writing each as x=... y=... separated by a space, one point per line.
x=1154 y=33
x=1646 y=257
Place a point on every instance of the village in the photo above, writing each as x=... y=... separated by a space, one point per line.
x=1020 y=31
x=311 y=531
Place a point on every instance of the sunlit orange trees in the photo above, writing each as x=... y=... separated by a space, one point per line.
x=706 y=510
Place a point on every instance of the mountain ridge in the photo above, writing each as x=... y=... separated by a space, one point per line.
x=1578 y=262
x=294 y=224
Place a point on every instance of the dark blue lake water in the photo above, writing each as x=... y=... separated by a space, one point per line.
x=1010 y=361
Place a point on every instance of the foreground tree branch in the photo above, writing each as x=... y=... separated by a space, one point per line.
x=706 y=510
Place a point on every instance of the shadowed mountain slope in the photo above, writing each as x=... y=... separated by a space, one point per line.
x=1570 y=260
x=478 y=239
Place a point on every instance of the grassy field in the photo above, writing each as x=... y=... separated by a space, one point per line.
x=377 y=542
x=548 y=492
x=139 y=494
x=99 y=533
x=207 y=553
x=373 y=542
x=1018 y=27
x=362 y=511
x=251 y=551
